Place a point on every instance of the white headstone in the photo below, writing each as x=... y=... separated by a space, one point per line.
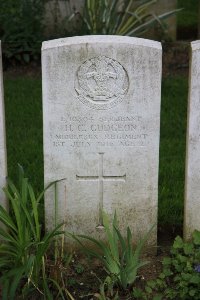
x=3 y=163
x=101 y=107
x=192 y=179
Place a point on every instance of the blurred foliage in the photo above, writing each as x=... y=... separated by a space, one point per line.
x=22 y=22
x=188 y=19
x=127 y=17
x=21 y=28
x=189 y=15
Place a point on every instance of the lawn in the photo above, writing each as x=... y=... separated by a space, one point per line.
x=172 y=150
x=23 y=109
x=23 y=102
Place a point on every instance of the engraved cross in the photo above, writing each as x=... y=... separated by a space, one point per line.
x=101 y=178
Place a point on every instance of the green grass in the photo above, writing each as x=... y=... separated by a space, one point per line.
x=23 y=106
x=172 y=150
x=24 y=139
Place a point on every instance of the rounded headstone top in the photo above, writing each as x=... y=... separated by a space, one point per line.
x=94 y=39
x=195 y=45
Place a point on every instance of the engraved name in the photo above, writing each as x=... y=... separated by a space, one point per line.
x=105 y=131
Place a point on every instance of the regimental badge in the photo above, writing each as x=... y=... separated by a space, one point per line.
x=101 y=82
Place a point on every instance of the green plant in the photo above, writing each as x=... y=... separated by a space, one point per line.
x=23 y=251
x=106 y=291
x=180 y=278
x=117 y=255
x=119 y=18
x=21 y=28
x=79 y=268
x=142 y=295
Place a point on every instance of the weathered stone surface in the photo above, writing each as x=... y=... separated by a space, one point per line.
x=101 y=106
x=3 y=164
x=192 y=179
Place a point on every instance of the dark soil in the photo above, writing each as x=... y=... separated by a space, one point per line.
x=13 y=70
x=86 y=284
x=85 y=276
x=176 y=59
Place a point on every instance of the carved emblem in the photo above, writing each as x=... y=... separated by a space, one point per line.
x=101 y=82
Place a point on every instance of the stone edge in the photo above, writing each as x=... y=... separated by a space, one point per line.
x=187 y=235
x=5 y=202
x=94 y=39
x=2 y=104
x=195 y=45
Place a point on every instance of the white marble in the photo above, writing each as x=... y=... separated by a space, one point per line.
x=101 y=113
x=192 y=178
x=3 y=161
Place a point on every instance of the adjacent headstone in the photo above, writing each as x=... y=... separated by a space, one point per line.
x=3 y=164
x=192 y=179
x=101 y=113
